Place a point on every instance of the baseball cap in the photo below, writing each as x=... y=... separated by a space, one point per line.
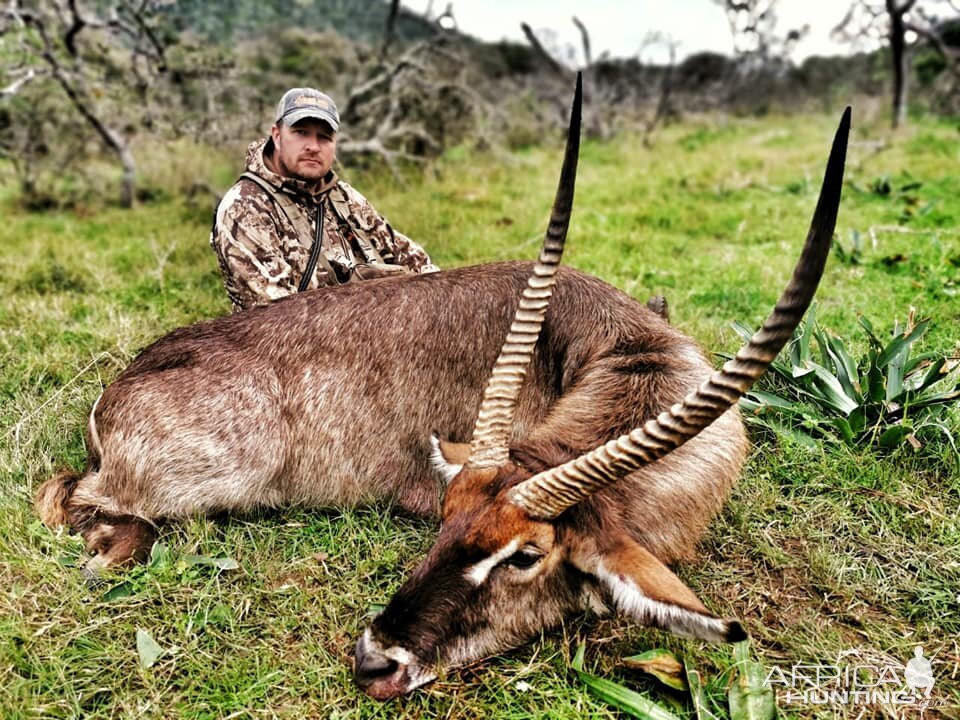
x=299 y=103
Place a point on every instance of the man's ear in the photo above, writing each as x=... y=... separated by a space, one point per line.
x=643 y=588
x=448 y=457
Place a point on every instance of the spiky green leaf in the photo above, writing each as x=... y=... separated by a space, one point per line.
x=750 y=698
x=622 y=698
x=697 y=695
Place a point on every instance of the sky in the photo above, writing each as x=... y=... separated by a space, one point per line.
x=620 y=26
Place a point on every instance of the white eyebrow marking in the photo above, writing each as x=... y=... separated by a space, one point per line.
x=394 y=652
x=478 y=572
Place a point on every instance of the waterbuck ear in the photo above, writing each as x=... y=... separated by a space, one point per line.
x=448 y=457
x=642 y=587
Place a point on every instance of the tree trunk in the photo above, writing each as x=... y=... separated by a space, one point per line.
x=128 y=186
x=110 y=138
x=898 y=56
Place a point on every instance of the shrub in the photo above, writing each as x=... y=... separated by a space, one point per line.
x=887 y=398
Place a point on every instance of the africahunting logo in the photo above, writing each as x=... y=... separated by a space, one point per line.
x=856 y=682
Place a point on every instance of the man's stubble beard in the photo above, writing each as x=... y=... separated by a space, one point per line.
x=287 y=171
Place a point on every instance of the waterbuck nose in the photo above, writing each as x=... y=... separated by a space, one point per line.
x=371 y=665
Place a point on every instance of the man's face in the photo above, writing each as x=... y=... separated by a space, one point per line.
x=305 y=150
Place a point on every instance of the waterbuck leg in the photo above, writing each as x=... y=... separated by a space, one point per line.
x=117 y=540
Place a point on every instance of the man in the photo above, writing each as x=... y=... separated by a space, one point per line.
x=289 y=223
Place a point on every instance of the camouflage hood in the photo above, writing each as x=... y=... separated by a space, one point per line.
x=263 y=237
x=258 y=166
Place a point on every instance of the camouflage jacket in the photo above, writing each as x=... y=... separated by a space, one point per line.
x=263 y=249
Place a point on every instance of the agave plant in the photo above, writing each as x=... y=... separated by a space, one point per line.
x=884 y=399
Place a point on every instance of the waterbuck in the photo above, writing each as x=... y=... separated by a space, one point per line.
x=558 y=496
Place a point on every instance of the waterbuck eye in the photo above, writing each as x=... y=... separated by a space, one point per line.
x=523 y=559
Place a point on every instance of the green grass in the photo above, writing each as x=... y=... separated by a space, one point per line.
x=824 y=554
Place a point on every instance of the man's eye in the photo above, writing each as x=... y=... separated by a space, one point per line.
x=523 y=559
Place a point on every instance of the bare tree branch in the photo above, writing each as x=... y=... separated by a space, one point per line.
x=753 y=25
x=154 y=49
x=14 y=87
x=889 y=21
x=666 y=85
x=585 y=40
x=928 y=31
x=52 y=33
x=541 y=51
x=403 y=99
x=445 y=20
x=69 y=37
x=389 y=30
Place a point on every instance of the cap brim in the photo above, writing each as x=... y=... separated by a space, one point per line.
x=296 y=116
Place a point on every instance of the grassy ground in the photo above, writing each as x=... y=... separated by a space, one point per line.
x=831 y=557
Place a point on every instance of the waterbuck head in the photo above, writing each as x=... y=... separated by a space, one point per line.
x=519 y=550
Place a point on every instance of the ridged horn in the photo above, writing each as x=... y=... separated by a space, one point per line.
x=488 y=447
x=549 y=493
